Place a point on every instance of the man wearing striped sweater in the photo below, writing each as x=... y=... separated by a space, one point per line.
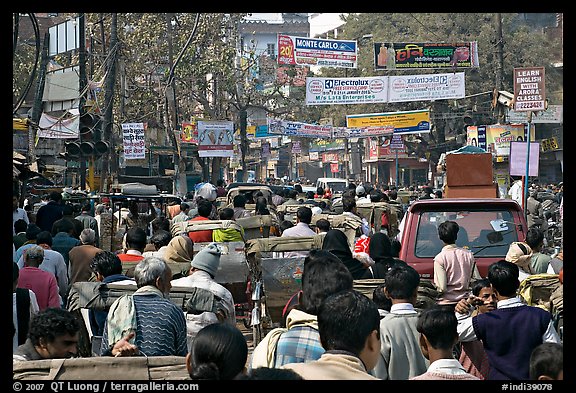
x=146 y=319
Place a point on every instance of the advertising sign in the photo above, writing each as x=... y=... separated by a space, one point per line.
x=554 y=114
x=215 y=138
x=397 y=143
x=529 y=89
x=496 y=138
x=328 y=91
x=329 y=157
x=519 y=157
x=303 y=130
x=189 y=132
x=406 y=55
x=317 y=51
x=327 y=144
x=58 y=128
x=362 y=132
x=133 y=140
x=296 y=148
x=426 y=87
x=409 y=122
x=265 y=149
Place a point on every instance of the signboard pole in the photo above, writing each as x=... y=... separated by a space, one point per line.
x=525 y=194
x=397 y=184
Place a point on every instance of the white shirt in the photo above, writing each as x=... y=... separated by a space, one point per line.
x=447 y=366
x=19 y=214
x=33 y=310
x=301 y=229
x=402 y=309
x=515 y=192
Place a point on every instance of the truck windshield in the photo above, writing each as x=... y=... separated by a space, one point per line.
x=475 y=234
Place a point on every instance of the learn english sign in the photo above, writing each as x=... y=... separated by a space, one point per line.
x=529 y=89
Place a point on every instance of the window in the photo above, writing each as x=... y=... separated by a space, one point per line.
x=475 y=232
x=271 y=50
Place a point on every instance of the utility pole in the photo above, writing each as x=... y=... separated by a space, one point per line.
x=37 y=108
x=83 y=83
x=172 y=117
x=500 y=66
x=109 y=162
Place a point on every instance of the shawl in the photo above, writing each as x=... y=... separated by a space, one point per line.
x=122 y=315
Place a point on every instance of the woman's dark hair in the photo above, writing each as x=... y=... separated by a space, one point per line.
x=261 y=206
x=219 y=351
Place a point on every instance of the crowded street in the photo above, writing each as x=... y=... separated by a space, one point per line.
x=305 y=196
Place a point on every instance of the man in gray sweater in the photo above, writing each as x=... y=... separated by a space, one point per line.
x=400 y=354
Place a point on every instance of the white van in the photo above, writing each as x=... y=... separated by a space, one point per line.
x=335 y=184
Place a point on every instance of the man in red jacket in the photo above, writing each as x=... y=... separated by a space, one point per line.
x=204 y=210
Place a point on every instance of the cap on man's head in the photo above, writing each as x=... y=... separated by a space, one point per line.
x=208 y=259
x=360 y=190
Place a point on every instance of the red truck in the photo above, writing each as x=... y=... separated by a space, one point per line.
x=487 y=227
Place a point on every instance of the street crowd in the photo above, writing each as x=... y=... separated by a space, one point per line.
x=479 y=328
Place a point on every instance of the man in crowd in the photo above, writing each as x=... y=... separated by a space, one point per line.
x=135 y=240
x=50 y=212
x=512 y=331
x=348 y=328
x=41 y=282
x=88 y=221
x=52 y=262
x=217 y=304
x=18 y=213
x=54 y=334
x=302 y=228
x=81 y=256
x=138 y=318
